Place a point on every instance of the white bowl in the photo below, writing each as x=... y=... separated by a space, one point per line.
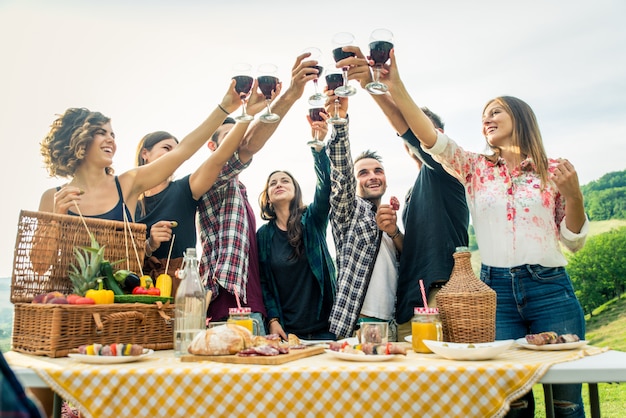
x=463 y=351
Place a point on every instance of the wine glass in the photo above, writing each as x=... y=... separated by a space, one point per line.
x=315 y=113
x=317 y=99
x=243 y=84
x=267 y=83
x=340 y=40
x=334 y=80
x=381 y=42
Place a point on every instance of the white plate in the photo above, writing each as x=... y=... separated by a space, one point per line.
x=84 y=358
x=550 y=347
x=464 y=351
x=362 y=357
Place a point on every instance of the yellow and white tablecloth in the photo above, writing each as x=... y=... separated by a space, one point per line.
x=424 y=385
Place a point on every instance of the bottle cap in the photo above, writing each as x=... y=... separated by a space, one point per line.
x=425 y=311
x=235 y=311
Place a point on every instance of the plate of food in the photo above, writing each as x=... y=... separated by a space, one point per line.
x=110 y=354
x=362 y=356
x=550 y=341
x=469 y=351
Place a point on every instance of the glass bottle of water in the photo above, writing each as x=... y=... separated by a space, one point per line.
x=190 y=304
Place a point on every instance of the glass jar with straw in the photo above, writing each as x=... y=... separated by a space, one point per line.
x=425 y=325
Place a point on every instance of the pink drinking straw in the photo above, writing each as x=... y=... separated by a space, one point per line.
x=237 y=299
x=423 y=294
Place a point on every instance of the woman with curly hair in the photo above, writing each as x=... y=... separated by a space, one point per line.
x=297 y=271
x=80 y=146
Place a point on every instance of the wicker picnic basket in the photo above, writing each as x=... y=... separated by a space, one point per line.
x=55 y=330
x=467 y=306
x=44 y=250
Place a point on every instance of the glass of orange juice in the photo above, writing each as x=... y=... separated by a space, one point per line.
x=242 y=317
x=425 y=325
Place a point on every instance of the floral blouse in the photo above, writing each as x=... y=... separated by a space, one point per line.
x=515 y=221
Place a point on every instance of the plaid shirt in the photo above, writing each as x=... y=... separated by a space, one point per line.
x=224 y=232
x=356 y=234
x=314 y=223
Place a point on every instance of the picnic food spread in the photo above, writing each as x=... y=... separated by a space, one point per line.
x=111 y=350
x=551 y=337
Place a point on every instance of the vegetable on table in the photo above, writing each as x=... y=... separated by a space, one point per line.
x=164 y=284
x=107 y=271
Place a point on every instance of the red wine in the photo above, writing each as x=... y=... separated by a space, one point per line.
x=379 y=51
x=267 y=84
x=339 y=54
x=243 y=84
x=315 y=114
x=319 y=69
x=334 y=80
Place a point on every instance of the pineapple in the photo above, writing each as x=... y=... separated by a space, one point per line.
x=86 y=272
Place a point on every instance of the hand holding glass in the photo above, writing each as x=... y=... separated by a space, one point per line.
x=334 y=80
x=317 y=99
x=243 y=84
x=315 y=114
x=340 y=40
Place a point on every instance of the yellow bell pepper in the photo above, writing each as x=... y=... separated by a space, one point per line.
x=101 y=295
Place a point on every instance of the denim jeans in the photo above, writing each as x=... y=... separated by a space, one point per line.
x=533 y=299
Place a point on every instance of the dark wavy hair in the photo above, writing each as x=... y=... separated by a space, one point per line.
x=296 y=209
x=64 y=147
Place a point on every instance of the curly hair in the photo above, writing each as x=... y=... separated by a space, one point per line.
x=296 y=209
x=64 y=147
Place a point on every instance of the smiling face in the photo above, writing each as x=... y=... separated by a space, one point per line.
x=371 y=179
x=158 y=150
x=102 y=147
x=280 y=188
x=497 y=125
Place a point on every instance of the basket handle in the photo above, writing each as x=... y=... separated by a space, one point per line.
x=161 y=311
x=118 y=316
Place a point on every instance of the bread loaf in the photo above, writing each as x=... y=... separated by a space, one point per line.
x=221 y=340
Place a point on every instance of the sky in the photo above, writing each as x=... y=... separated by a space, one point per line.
x=164 y=65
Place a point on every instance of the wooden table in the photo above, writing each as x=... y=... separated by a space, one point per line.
x=415 y=385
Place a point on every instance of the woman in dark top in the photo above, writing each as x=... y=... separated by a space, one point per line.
x=297 y=272
x=81 y=145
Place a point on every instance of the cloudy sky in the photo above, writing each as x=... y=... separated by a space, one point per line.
x=163 y=65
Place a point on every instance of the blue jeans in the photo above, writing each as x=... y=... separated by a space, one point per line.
x=533 y=299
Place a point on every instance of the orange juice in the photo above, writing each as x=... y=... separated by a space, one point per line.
x=424 y=331
x=246 y=323
x=425 y=325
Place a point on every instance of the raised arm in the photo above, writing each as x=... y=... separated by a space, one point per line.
x=260 y=132
x=136 y=181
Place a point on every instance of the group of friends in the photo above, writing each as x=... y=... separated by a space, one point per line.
x=523 y=204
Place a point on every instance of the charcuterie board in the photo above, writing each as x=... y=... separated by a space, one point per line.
x=279 y=359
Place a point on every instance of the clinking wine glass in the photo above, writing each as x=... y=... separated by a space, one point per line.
x=243 y=85
x=268 y=81
x=381 y=43
x=334 y=80
x=315 y=113
x=317 y=99
x=340 y=40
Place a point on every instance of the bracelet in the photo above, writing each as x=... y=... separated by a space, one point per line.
x=395 y=235
x=271 y=321
x=222 y=108
x=149 y=249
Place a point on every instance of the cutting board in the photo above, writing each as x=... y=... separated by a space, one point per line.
x=279 y=359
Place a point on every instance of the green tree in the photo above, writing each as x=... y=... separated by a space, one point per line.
x=598 y=270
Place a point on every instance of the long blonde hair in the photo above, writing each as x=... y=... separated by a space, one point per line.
x=526 y=134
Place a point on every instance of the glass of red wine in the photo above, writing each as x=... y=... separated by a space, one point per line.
x=381 y=42
x=317 y=99
x=268 y=81
x=315 y=113
x=340 y=40
x=334 y=80
x=243 y=85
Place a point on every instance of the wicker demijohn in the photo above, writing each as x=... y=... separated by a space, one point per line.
x=467 y=306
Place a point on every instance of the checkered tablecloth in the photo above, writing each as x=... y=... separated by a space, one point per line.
x=418 y=385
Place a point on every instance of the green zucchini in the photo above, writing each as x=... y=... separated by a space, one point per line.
x=141 y=299
x=109 y=280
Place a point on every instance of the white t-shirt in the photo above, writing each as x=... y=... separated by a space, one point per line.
x=380 y=298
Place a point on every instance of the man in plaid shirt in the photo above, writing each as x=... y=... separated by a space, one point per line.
x=367 y=258
x=229 y=264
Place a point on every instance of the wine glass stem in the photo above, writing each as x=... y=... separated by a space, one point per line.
x=315 y=85
x=243 y=107
x=345 y=76
x=376 y=73
x=267 y=103
x=336 y=103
